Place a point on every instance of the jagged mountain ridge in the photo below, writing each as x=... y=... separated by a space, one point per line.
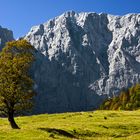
x=85 y=58
x=5 y=36
x=82 y=58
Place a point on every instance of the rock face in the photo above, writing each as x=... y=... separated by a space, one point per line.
x=83 y=58
x=5 y=36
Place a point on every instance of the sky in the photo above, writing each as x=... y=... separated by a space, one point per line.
x=20 y=15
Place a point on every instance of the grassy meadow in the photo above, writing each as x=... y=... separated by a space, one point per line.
x=98 y=125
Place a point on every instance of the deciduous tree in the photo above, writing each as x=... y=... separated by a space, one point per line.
x=16 y=85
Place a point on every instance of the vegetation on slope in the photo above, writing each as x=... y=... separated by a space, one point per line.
x=98 y=125
x=127 y=100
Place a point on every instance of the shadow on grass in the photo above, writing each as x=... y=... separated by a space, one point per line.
x=75 y=133
x=58 y=132
x=85 y=133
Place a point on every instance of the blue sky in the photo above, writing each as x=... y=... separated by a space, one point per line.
x=21 y=15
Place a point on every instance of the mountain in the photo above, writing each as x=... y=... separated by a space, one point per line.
x=5 y=36
x=83 y=58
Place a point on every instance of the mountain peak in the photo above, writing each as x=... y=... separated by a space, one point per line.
x=5 y=36
x=83 y=58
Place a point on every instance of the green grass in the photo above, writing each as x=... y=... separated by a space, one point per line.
x=98 y=125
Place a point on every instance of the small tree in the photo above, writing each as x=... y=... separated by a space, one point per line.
x=16 y=86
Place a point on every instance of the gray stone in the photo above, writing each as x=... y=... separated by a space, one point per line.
x=83 y=58
x=5 y=36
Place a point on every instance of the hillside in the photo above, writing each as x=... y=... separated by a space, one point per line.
x=127 y=100
x=101 y=125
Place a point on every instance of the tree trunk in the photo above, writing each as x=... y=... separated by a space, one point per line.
x=12 y=121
